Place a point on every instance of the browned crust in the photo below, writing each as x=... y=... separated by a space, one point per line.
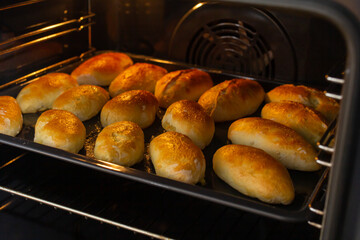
x=134 y=97
x=102 y=68
x=106 y=63
x=40 y=94
x=178 y=152
x=126 y=128
x=186 y=84
x=91 y=92
x=189 y=118
x=10 y=111
x=304 y=120
x=284 y=135
x=121 y=143
x=138 y=106
x=254 y=173
x=60 y=129
x=310 y=97
x=280 y=141
x=176 y=145
x=54 y=80
x=188 y=110
x=232 y=99
x=84 y=101
x=140 y=76
x=61 y=122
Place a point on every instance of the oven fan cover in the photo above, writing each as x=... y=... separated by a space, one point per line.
x=240 y=40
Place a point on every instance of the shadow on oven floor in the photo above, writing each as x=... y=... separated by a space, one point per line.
x=141 y=206
x=25 y=219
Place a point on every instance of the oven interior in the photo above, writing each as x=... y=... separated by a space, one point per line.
x=273 y=44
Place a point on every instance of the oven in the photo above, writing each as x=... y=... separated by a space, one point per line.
x=48 y=193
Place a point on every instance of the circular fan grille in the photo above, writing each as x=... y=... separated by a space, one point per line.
x=232 y=45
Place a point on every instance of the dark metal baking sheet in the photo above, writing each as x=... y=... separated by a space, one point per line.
x=214 y=190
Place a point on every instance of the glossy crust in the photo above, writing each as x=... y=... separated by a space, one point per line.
x=232 y=99
x=186 y=84
x=297 y=116
x=137 y=106
x=254 y=173
x=121 y=143
x=189 y=118
x=310 y=97
x=40 y=94
x=11 y=119
x=102 y=69
x=84 y=101
x=279 y=141
x=60 y=129
x=140 y=76
x=175 y=156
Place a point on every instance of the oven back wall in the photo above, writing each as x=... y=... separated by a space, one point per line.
x=280 y=44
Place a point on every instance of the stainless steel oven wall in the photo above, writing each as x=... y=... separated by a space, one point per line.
x=36 y=34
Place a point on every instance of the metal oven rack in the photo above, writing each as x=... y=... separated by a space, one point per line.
x=326 y=146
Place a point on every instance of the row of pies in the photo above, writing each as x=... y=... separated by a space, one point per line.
x=293 y=119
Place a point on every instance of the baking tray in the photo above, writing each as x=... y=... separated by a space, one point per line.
x=214 y=189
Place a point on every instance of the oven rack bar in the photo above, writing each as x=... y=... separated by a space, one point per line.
x=335 y=80
x=20 y=4
x=47 y=69
x=327 y=141
x=318 y=195
x=81 y=213
x=47 y=29
x=334 y=96
x=326 y=146
x=45 y=38
x=323 y=158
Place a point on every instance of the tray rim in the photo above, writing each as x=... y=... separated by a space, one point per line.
x=238 y=202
